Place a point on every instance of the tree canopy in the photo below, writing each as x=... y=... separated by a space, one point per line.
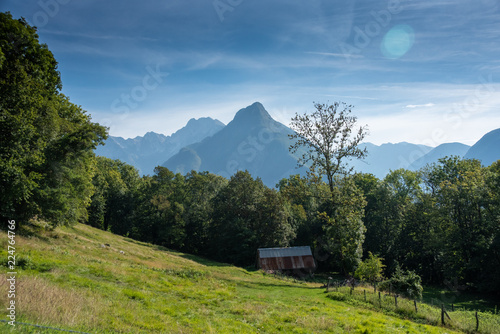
x=46 y=145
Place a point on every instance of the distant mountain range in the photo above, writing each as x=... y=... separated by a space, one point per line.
x=153 y=149
x=254 y=141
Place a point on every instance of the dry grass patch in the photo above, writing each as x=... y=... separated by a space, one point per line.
x=46 y=303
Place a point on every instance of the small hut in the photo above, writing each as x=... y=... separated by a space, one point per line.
x=286 y=259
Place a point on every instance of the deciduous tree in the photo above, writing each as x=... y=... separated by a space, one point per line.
x=327 y=139
x=46 y=142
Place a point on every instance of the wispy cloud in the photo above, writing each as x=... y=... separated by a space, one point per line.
x=427 y=105
x=98 y=36
x=330 y=54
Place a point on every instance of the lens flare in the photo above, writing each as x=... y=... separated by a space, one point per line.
x=397 y=41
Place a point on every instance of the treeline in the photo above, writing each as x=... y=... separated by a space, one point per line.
x=441 y=222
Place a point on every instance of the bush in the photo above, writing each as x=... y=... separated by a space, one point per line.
x=24 y=262
x=406 y=283
x=21 y=261
x=370 y=269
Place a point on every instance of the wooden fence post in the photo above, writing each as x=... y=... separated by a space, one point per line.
x=379 y=299
x=477 y=322
x=365 y=294
x=416 y=309
x=443 y=313
x=396 y=300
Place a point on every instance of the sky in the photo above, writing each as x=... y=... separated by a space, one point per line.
x=420 y=71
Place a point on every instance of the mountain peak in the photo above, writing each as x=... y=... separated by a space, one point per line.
x=152 y=134
x=202 y=120
x=191 y=121
x=252 y=114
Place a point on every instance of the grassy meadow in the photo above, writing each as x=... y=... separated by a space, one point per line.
x=458 y=319
x=84 y=279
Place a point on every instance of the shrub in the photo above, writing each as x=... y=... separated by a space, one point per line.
x=21 y=261
x=24 y=262
x=370 y=269
x=406 y=283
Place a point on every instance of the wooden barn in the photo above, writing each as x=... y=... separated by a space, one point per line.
x=286 y=259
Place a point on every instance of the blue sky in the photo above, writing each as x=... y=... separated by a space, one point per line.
x=418 y=71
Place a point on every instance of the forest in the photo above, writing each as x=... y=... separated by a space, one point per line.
x=442 y=222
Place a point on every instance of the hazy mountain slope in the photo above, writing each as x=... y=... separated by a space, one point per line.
x=149 y=151
x=441 y=151
x=252 y=141
x=487 y=149
x=383 y=158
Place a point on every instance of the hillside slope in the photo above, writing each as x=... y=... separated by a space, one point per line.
x=441 y=151
x=487 y=149
x=88 y=280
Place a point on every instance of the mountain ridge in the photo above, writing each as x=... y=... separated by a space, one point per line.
x=148 y=151
x=254 y=141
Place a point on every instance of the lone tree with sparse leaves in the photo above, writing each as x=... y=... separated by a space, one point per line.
x=329 y=138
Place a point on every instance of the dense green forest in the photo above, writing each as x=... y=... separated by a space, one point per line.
x=442 y=222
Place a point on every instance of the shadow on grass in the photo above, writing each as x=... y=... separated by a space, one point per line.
x=470 y=301
x=32 y=230
x=283 y=285
x=204 y=261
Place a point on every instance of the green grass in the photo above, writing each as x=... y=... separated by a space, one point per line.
x=461 y=320
x=68 y=280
